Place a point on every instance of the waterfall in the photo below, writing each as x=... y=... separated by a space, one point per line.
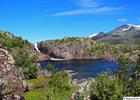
x=36 y=48
x=56 y=59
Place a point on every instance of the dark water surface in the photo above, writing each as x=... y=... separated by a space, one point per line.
x=83 y=68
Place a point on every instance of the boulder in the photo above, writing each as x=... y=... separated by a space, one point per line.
x=10 y=78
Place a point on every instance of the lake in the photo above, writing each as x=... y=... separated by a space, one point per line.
x=83 y=68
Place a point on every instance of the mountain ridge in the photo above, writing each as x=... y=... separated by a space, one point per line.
x=125 y=34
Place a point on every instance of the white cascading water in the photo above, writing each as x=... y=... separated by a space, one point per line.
x=36 y=48
x=54 y=59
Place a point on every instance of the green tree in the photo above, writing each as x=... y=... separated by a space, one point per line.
x=124 y=64
x=60 y=81
x=105 y=88
x=27 y=64
x=115 y=87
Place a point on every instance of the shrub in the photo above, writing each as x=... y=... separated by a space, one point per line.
x=51 y=68
x=27 y=64
x=115 y=87
x=105 y=88
x=59 y=87
x=56 y=87
x=9 y=41
x=38 y=83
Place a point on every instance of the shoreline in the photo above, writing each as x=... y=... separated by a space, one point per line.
x=57 y=59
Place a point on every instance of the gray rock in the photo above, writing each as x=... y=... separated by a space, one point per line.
x=10 y=78
x=70 y=50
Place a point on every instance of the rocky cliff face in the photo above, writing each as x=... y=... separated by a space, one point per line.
x=77 y=49
x=65 y=50
x=10 y=78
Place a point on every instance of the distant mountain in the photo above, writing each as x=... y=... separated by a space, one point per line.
x=125 y=34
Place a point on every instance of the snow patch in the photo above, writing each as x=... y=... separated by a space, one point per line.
x=93 y=35
x=131 y=25
x=125 y=29
x=137 y=26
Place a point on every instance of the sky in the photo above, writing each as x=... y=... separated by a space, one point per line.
x=38 y=20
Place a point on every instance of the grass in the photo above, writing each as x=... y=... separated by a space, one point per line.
x=34 y=95
x=47 y=95
x=56 y=87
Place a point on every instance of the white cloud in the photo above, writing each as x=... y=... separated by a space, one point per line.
x=87 y=3
x=122 y=19
x=88 y=11
x=88 y=7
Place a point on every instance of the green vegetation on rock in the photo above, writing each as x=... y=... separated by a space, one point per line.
x=26 y=63
x=9 y=41
x=57 y=87
x=18 y=48
x=115 y=87
x=35 y=95
x=100 y=48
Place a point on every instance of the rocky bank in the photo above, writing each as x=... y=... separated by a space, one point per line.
x=11 y=83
